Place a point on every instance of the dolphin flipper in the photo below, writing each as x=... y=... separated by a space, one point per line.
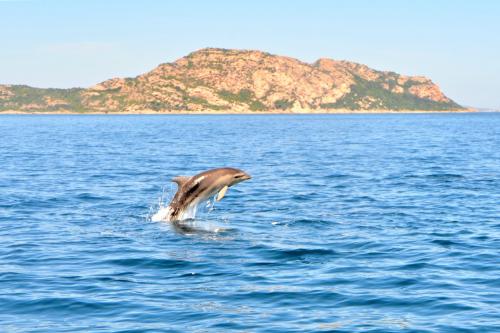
x=222 y=193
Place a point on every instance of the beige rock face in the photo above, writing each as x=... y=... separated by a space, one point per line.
x=5 y=92
x=428 y=91
x=55 y=102
x=240 y=80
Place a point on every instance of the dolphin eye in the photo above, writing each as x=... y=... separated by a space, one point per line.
x=238 y=176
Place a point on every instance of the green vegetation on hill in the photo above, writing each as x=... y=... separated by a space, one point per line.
x=244 y=96
x=283 y=104
x=372 y=95
x=24 y=96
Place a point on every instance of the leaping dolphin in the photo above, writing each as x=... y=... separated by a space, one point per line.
x=193 y=190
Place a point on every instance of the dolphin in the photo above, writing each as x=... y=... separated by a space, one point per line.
x=198 y=188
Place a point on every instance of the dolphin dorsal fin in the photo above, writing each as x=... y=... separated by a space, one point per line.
x=181 y=180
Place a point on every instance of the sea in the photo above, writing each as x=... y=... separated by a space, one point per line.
x=350 y=223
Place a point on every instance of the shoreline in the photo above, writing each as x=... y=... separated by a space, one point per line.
x=271 y=112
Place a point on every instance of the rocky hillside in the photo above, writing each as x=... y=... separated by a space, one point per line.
x=237 y=80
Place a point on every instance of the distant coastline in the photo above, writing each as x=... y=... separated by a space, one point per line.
x=212 y=112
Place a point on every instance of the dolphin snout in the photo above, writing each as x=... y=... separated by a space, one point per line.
x=246 y=176
x=242 y=176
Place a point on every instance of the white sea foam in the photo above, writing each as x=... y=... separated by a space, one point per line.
x=161 y=215
x=161 y=211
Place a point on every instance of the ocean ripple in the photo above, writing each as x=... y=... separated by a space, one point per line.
x=351 y=223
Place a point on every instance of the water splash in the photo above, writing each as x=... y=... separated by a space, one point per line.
x=161 y=215
x=161 y=210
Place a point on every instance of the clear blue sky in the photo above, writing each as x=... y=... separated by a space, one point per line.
x=79 y=43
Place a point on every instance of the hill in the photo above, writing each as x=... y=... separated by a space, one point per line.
x=240 y=81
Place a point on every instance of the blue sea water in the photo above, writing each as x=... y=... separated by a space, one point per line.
x=351 y=223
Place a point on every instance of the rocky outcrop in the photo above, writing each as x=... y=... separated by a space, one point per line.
x=240 y=80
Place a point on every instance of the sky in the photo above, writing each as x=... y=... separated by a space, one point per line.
x=78 y=43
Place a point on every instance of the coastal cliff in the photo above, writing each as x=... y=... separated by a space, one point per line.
x=222 y=80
